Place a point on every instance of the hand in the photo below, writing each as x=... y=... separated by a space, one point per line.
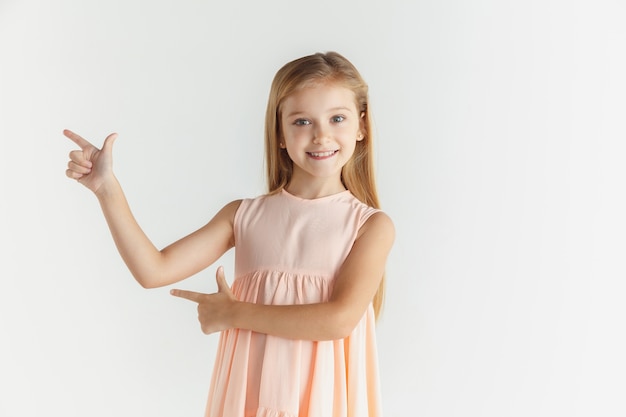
x=90 y=166
x=214 y=310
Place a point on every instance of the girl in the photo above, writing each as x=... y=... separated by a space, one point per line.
x=297 y=327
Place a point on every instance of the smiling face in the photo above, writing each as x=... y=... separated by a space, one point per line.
x=320 y=126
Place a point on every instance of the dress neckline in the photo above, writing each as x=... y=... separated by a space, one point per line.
x=313 y=200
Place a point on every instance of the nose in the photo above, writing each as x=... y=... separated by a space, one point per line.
x=320 y=134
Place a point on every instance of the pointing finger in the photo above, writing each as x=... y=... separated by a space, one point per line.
x=79 y=140
x=196 y=297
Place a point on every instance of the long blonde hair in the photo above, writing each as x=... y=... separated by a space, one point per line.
x=358 y=173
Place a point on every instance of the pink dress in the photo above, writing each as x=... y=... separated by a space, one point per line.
x=288 y=251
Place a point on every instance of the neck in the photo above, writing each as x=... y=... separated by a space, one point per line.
x=316 y=189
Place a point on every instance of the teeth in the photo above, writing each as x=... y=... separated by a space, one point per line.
x=321 y=154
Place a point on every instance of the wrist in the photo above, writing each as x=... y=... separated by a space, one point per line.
x=236 y=319
x=108 y=188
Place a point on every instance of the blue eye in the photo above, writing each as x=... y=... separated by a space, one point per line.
x=301 y=122
x=338 y=119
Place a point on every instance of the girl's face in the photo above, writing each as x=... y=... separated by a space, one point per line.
x=321 y=125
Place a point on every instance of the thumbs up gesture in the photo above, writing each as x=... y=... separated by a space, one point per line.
x=90 y=166
x=214 y=310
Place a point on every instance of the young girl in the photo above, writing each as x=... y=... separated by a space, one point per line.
x=297 y=327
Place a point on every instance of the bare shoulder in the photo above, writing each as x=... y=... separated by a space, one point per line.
x=379 y=226
x=228 y=211
x=224 y=218
x=233 y=206
x=220 y=227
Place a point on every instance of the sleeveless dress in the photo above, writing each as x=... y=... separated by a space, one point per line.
x=288 y=251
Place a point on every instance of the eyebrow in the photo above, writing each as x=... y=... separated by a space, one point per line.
x=334 y=109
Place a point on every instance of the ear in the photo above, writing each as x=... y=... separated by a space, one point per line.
x=281 y=140
x=361 y=134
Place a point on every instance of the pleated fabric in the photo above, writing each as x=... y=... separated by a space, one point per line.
x=288 y=251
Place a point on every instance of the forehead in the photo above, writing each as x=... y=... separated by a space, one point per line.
x=319 y=97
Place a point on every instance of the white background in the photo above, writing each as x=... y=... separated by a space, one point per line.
x=500 y=145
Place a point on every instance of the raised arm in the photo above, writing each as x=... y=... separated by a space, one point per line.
x=151 y=267
x=354 y=289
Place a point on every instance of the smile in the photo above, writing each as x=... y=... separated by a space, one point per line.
x=322 y=154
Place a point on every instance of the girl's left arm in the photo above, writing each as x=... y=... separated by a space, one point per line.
x=355 y=286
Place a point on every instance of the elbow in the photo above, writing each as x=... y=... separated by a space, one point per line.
x=147 y=282
x=146 y=285
x=343 y=331
x=342 y=324
x=339 y=331
x=151 y=274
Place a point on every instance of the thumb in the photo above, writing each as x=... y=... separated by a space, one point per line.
x=222 y=285
x=108 y=143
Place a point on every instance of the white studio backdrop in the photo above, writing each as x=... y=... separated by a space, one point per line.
x=500 y=147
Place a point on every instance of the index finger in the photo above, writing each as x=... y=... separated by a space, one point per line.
x=79 y=140
x=196 y=297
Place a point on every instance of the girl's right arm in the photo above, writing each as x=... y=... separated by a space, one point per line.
x=151 y=267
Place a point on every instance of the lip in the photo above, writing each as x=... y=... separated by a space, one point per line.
x=322 y=154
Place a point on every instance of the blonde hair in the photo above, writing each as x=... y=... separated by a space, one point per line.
x=358 y=173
